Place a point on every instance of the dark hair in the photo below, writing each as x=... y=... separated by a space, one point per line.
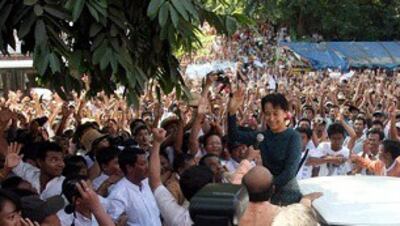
x=205 y=138
x=129 y=157
x=377 y=122
x=11 y=197
x=194 y=179
x=304 y=120
x=376 y=131
x=46 y=147
x=307 y=107
x=11 y=183
x=139 y=128
x=277 y=100
x=30 y=151
x=80 y=131
x=203 y=160
x=105 y=155
x=361 y=119
x=136 y=123
x=70 y=191
x=336 y=128
x=393 y=147
x=180 y=161
x=307 y=131
x=72 y=166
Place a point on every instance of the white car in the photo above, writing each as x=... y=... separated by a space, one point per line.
x=356 y=200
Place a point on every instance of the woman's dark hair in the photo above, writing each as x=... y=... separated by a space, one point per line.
x=70 y=191
x=392 y=147
x=336 y=128
x=277 y=100
x=194 y=179
x=307 y=131
x=180 y=161
x=73 y=165
x=7 y=196
x=129 y=157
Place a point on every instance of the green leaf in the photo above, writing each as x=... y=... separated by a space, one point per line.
x=38 y=9
x=40 y=32
x=179 y=6
x=132 y=99
x=30 y=2
x=27 y=24
x=190 y=8
x=4 y=14
x=77 y=9
x=54 y=63
x=94 y=29
x=163 y=14
x=153 y=7
x=105 y=60
x=174 y=16
x=94 y=13
x=56 y=11
x=230 y=24
x=99 y=53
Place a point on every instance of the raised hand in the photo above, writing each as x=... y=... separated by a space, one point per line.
x=236 y=100
x=203 y=104
x=159 y=135
x=12 y=157
x=88 y=195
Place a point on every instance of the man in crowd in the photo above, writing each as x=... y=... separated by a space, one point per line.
x=132 y=194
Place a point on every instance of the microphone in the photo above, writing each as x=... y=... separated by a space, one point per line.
x=260 y=139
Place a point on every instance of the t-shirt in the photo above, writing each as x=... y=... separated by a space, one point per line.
x=328 y=169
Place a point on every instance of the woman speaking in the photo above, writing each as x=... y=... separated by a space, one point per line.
x=281 y=147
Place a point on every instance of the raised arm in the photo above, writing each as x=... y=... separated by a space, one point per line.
x=393 y=135
x=154 y=164
x=236 y=100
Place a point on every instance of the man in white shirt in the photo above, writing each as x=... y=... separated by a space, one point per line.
x=191 y=181
x=370 y=150
x=332 y=156
x=132 y=194
x=47 y=180
x=359 y=126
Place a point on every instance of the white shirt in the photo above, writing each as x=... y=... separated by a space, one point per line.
x=324 y=149
x=137 y=202
x=305 y=171
x=98 y=181
x=32 y=174
x=172 y=213
x=80 y=220
x=231 y=165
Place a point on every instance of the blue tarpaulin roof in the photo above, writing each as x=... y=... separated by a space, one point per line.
x=343 y=55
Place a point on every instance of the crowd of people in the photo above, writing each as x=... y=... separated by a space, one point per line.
x=263 y=125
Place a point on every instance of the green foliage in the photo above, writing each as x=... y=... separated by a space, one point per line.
x=118 y=42
x=361 y=20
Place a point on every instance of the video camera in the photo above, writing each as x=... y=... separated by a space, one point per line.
x=218 y=205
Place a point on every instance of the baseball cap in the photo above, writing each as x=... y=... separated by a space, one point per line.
x=37 y=210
